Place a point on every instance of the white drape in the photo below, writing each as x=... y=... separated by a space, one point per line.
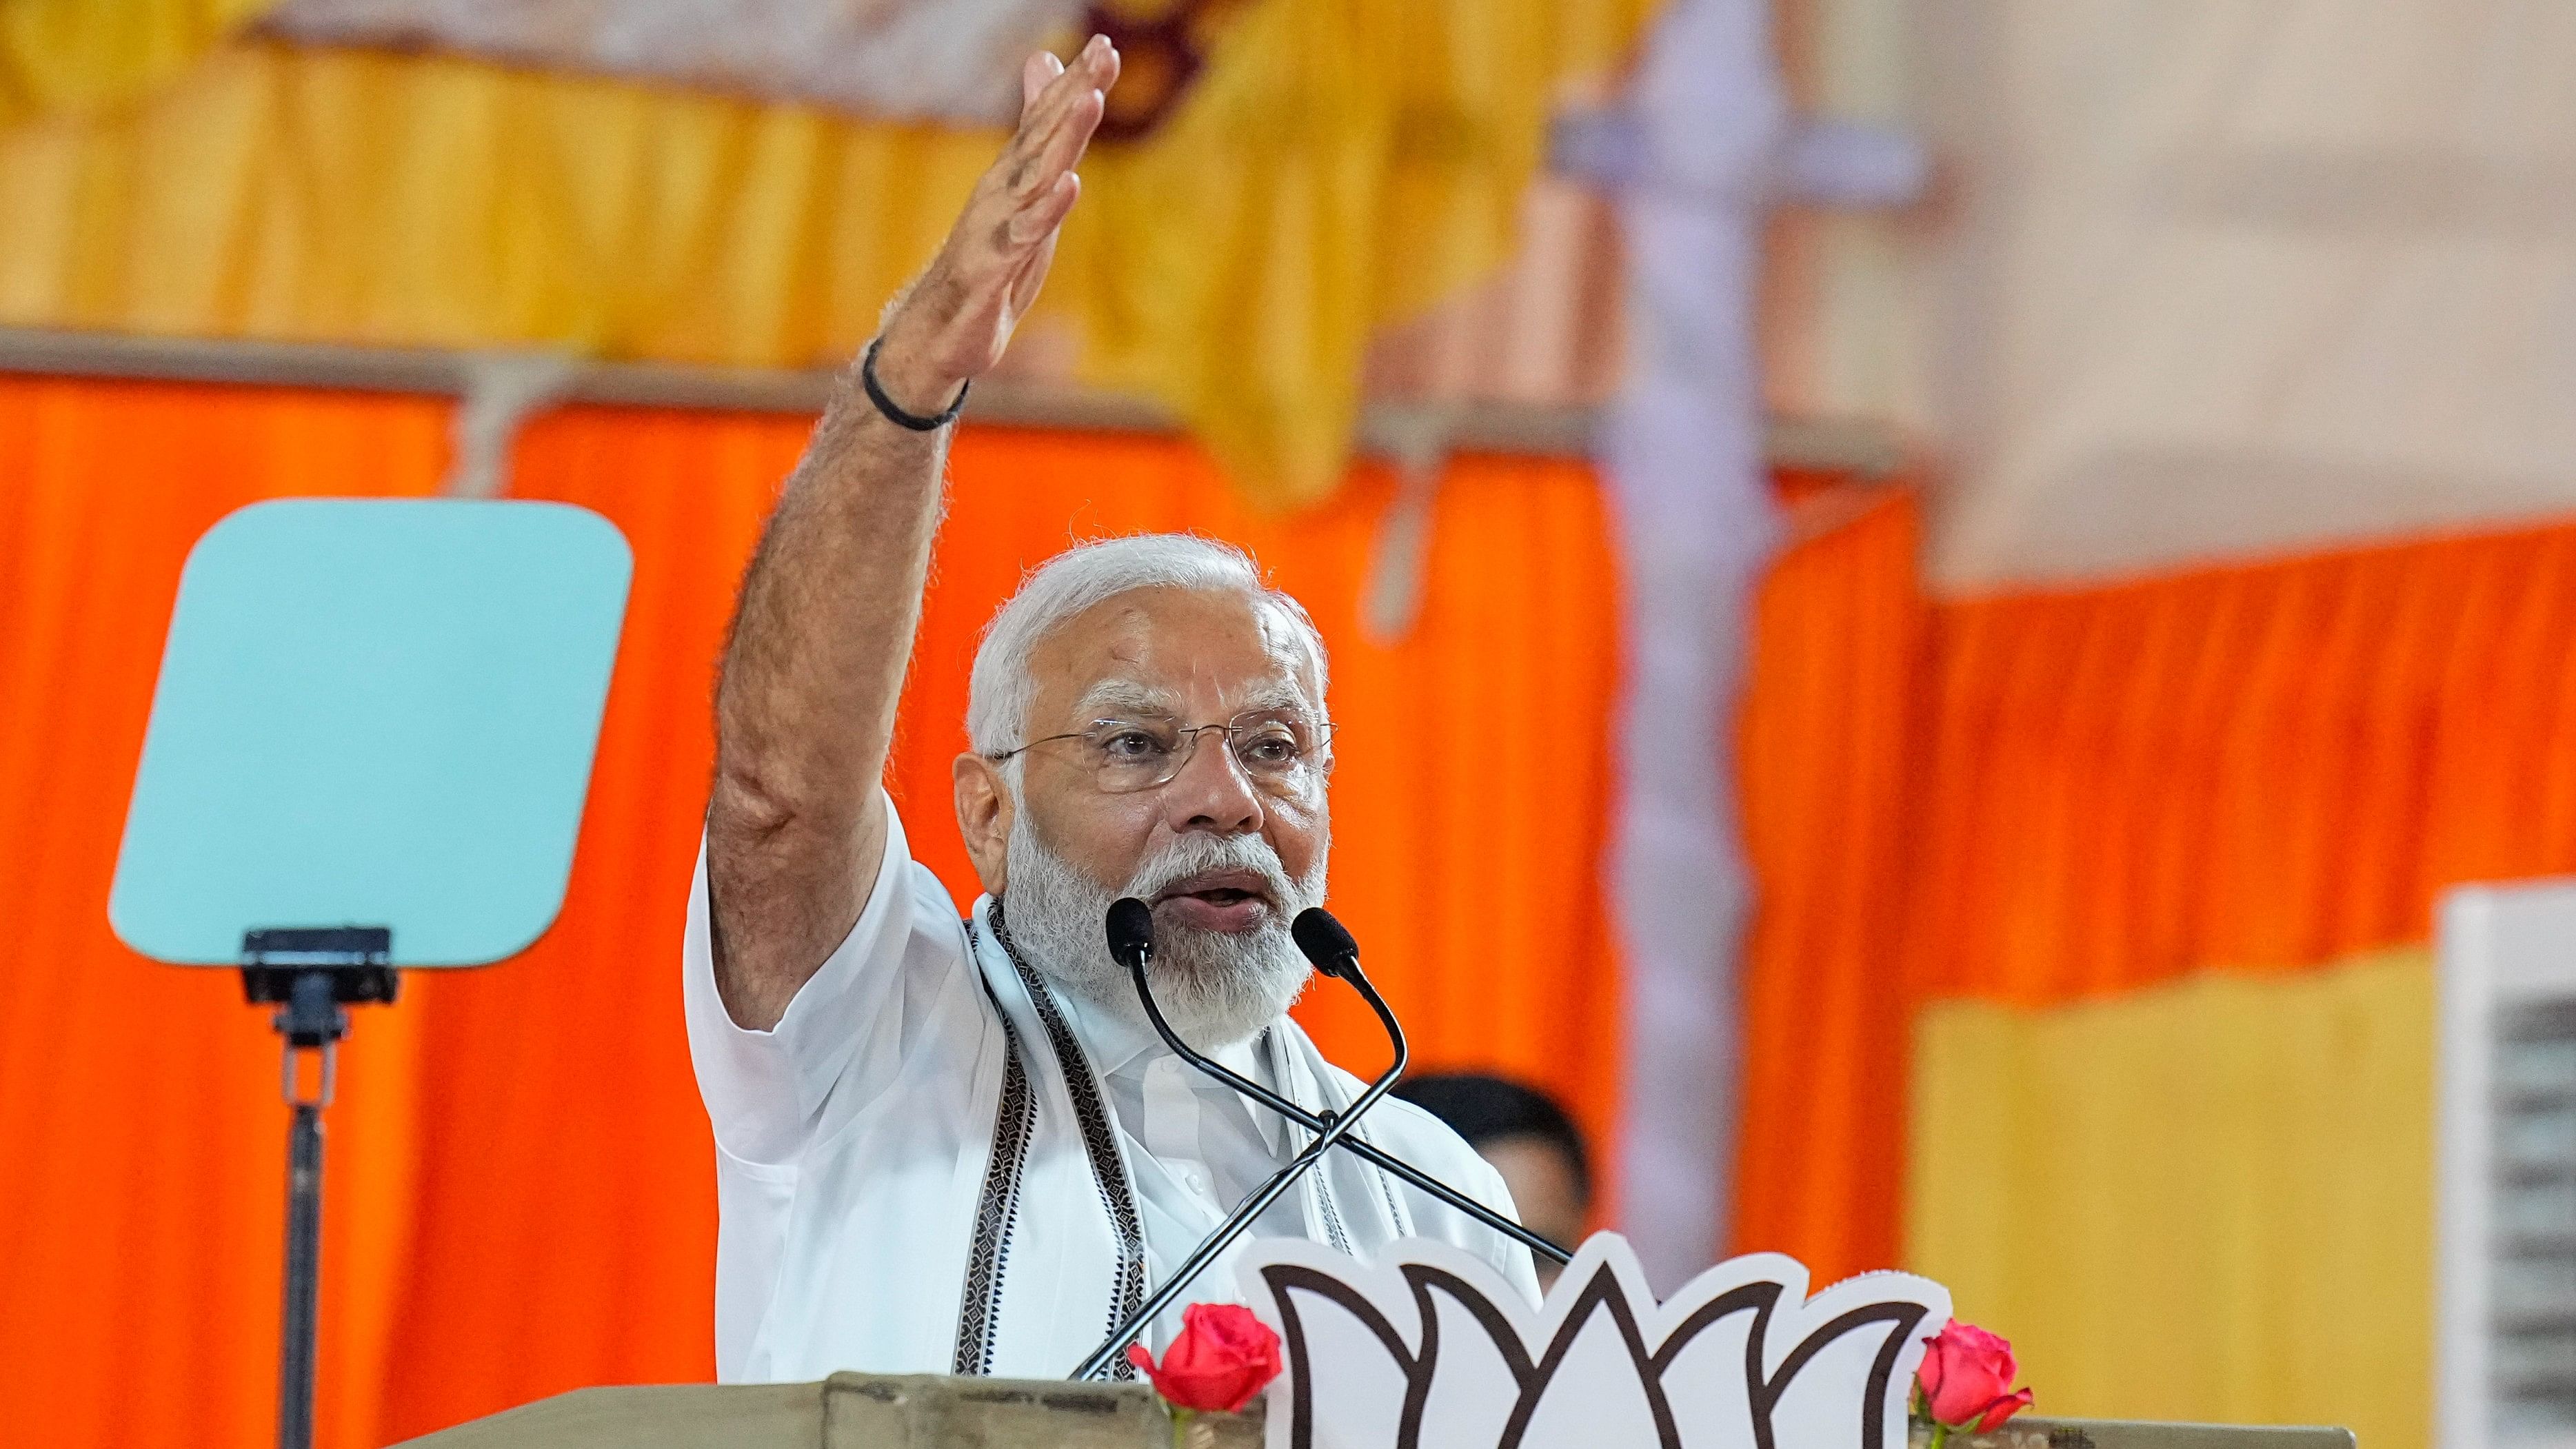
x=1683 y=448
x=1703 y=148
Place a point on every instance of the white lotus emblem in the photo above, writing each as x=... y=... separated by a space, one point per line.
x=1429 y=1348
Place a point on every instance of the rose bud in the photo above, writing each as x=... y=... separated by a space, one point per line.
x=1222 y=1358
x=1966 y=1377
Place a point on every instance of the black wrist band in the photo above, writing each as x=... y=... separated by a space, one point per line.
x=896 y=415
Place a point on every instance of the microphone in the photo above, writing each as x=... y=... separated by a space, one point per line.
x=1131 y=932
x=1131 y=925
x=1326 y=942
x=1329 y=945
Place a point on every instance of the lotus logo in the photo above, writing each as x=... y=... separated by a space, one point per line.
x=1429 y=1349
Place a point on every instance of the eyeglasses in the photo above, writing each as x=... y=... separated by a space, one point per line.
x=1281 y=751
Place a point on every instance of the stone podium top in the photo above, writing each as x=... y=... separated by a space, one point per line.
x=924 y=1411
x=849 y=1411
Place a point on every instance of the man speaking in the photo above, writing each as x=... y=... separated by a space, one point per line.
x=957 y=1146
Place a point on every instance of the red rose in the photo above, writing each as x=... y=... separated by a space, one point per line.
x=1966 y=1377
x=1223 y=1357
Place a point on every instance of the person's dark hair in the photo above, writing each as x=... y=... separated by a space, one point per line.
x=1484 y=1109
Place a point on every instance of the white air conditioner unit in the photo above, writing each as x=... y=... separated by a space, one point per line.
x=2507 y=1160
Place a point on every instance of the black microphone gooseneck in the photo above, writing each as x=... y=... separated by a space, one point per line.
x=1329 y=945
x=1124 y=931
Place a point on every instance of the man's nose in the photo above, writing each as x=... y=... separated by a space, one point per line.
x=1211 y=792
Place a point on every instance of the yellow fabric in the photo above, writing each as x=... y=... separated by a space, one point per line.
x=2207 y=1200
x=1341 y=164
x=74 y=54
x=363 y=197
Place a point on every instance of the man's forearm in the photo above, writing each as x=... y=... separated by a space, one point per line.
x=806 y=701
x=824 y=625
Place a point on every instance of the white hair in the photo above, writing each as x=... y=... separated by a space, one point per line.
x=999 y=692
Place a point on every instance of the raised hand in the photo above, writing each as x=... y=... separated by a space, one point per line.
x=796 y=823
x=956 y=320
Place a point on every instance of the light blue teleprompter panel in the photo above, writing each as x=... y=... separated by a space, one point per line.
x=373 y=713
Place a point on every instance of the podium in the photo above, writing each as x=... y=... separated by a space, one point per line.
x=924 y=1411
x=854 y=1411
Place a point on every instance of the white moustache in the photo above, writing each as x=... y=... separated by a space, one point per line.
x=1197 y=854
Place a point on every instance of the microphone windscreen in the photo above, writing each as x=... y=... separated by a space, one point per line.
x=1131 y=931
x=1325 y=941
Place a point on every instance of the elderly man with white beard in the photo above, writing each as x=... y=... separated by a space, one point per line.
x=957 y=1146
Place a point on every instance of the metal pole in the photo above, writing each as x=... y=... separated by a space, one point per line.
x=312 y=1022
x=308 y=972
x=303 y=1277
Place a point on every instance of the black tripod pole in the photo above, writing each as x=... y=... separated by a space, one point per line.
x=301 y=1322
x=308 y=974
x=312 y=1021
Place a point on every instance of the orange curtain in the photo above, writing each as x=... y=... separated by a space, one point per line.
x=1823 y=745
x=2257 y=767
x=520 y=1175
x=142 y=1144
x=2250 y=768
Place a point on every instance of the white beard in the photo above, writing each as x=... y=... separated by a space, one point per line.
x=1216 y=988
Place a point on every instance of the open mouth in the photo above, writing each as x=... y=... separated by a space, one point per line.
x=1225 y=890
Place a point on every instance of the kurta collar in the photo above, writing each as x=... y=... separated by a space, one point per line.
x=1118 y=1043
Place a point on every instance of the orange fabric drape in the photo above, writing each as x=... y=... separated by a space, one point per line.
x=142 y=1145
x=520 y=1196
x=1822 y=743
x=2256 y=768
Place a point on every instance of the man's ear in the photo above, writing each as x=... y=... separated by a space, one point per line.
x=984 y=811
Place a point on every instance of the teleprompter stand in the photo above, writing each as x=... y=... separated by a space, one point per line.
x=312 y=975
x=377 y=711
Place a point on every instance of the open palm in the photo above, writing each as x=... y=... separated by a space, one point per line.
x=957 y=319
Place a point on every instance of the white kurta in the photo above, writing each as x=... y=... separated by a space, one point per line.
x=894 y=1197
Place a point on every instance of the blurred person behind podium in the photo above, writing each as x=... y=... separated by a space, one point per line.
x=1530 y=1140
x=957 y=1146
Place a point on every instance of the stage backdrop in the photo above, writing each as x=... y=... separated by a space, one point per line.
x=521 y=1182
x=2088 y=974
